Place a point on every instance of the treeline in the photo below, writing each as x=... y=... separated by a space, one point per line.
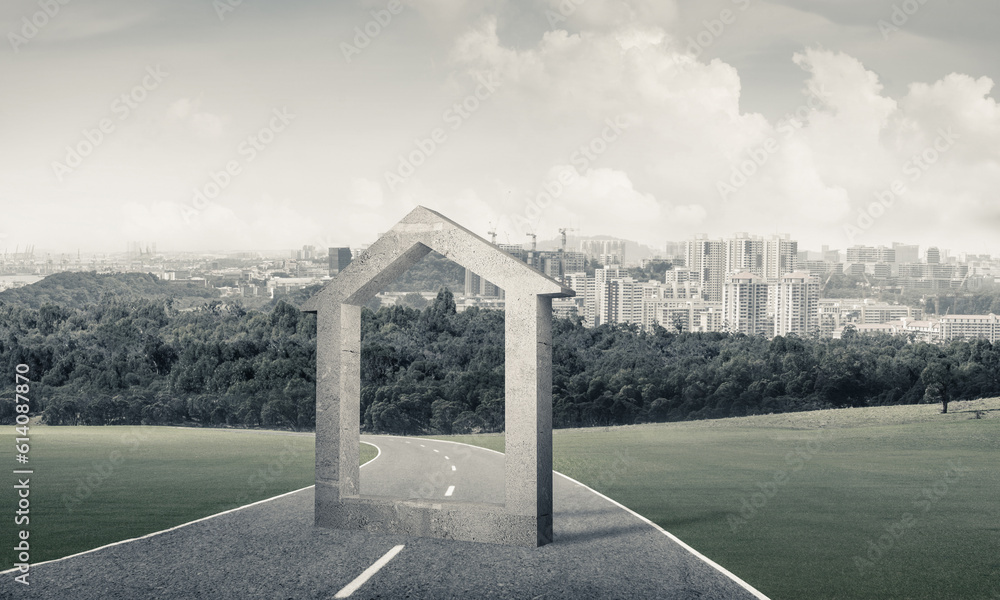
x=84 y=289
x=437 y=370
x=141 y=361
x=978 y=303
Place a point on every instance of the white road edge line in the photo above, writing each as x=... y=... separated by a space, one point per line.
x=156 y=533
x=677 y=540
x=378 y=454
x=352 y=587
x=451 y=490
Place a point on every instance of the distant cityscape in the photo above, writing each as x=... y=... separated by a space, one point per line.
x=761 y=286
x=755 y=285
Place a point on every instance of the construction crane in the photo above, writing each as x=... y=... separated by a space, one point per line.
x=562 y=253
x=562 y=232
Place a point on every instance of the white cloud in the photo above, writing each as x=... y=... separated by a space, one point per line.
x=560 y=84
x=851 y=140
x=610 y=15
x=204 y=125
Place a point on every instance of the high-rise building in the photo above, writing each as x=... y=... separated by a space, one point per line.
x=556 y=264
x=617 y=297
x=473 y=283
x=618 y=300
x=933 y=255
x=880 y=262
x=339 y=259
x=744 y=304
x=477 y=286
x=745 y=254
x=584 y=288
x=707 y=258
x=870 y=255
x=606 y=252
x=674 y=250
x=796 y=304
x=682 y=275
x=906 y=253
x=766 y=257
x=780 y=256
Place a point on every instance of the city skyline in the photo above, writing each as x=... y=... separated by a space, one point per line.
x=227 y=126
x=574 y=245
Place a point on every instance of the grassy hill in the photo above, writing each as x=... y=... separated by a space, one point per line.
x=856 y=503
x=886 y=502
x=79 y=290
x=98 y=485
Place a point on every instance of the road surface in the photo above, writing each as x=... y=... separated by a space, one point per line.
x=272 y=550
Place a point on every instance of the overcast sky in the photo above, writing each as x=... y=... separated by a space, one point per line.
x=716 y=117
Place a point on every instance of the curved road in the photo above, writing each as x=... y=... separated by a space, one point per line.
x=272 y=550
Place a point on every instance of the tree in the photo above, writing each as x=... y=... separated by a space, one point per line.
x=937 y=377
x=414 y=300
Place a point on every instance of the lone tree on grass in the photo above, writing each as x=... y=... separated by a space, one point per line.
x=939 y=382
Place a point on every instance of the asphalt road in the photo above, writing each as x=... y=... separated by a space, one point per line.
x=272 y=550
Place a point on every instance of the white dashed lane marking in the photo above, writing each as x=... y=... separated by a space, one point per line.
x=451 y=490
x=452 y=467
x=352 y=587
x=438 y=451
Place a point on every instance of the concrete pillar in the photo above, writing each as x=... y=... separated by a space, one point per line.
x=327 y=409
x=350 y=400
x=528 y=412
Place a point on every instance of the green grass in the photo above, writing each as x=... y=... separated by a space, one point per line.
x=97 y=485
x=862 y=472
x=368 y=452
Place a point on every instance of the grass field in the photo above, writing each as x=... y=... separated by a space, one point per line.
x=895 y=502
x=97 y=485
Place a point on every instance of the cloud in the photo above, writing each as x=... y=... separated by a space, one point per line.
x=204 y=125
x=847 y=141
x=610 y=15
x=856 y=129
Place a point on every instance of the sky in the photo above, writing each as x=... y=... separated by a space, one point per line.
x=226 y=125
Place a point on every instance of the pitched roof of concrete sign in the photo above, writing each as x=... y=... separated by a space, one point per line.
x=419 y=233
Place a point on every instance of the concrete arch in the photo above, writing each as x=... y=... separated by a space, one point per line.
x=525 y=518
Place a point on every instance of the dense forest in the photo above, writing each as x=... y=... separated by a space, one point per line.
x=86 y=289
x=118 y=358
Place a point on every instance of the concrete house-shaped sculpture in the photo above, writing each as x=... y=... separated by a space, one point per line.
x=525 y=518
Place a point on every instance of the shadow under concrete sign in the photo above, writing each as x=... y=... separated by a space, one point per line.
x=525 y=519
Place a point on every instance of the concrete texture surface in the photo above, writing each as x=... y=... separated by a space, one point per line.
x=273 y=550
x=525 y=515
